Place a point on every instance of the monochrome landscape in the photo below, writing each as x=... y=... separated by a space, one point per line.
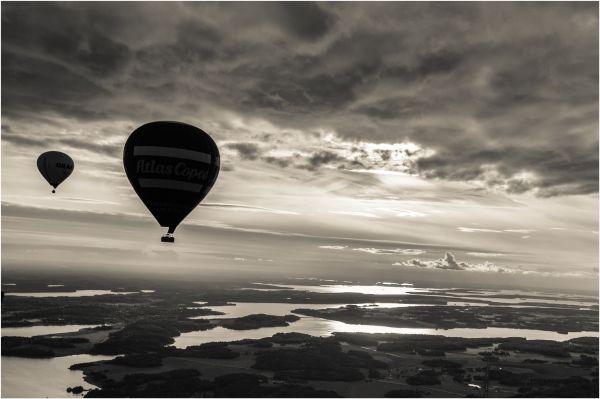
x=396 y=199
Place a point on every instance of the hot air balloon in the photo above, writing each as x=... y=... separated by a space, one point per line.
x=172 y=166
x=55 y=166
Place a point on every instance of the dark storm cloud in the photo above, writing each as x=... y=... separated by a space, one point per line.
x=394 y=108
x=322 y=158
x=281 y=162
x=518 y=186
x=493 y=96
x=305 y=19
x=245 y=150
x=440 y=62
x=31 y=85
x=194 y=45
x=559 y=171
x=64 y=33
x=295 y=90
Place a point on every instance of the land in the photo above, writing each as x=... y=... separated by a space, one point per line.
x=140 y=329
x=354 y=364
x=561 y=320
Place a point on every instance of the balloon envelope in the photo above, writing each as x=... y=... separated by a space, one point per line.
x=55 y=166
x=171 y=166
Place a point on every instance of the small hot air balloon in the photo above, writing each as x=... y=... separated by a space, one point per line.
x=55 y=166
x=172 y=166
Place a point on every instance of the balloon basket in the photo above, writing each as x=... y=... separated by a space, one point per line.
x=167 y=238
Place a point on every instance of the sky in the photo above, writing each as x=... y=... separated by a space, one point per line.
x=442 y=142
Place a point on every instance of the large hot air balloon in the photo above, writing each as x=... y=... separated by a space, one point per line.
x=55 y=166
x=171 y=166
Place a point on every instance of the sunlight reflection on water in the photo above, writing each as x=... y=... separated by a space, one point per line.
x=43 y=378
x=359 y=289
x=76 y=293
x=32 y=331
x=281 y=309
x=322 y=327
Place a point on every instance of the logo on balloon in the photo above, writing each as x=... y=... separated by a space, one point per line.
x=181 y=169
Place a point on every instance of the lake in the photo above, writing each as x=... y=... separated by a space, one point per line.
x=322 y=327
x=358 y=289
x=520 y=297
x=281 y=309
x=23 y=378
x=77 y=293
x=42 y=330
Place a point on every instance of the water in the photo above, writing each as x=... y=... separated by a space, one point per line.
x=403 y=289
x=34 y=378
x=32 y=331
x=22 y=377
x=322 y=327
x=281 y=309
x=76 y=293
x=522 y=299
x=359 y=289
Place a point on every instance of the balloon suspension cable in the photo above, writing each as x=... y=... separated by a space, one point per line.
x=169 y=236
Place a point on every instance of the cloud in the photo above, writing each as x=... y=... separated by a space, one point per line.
x=378 y=251
x=321 y=158
x=477 y=230
x=112 y=150
x=393 y=251
x=352 y=213
x=448 y=262
x=514 y=111
x=336 y=247
x=249 y=151
x=409 y=213
x=24 y=140
x=328 y=150
x=89 y=200
x=247 y=208
x=281 y=162
x=474 y=230
x=46 y=86
x=485 y=254
x=305 y=20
